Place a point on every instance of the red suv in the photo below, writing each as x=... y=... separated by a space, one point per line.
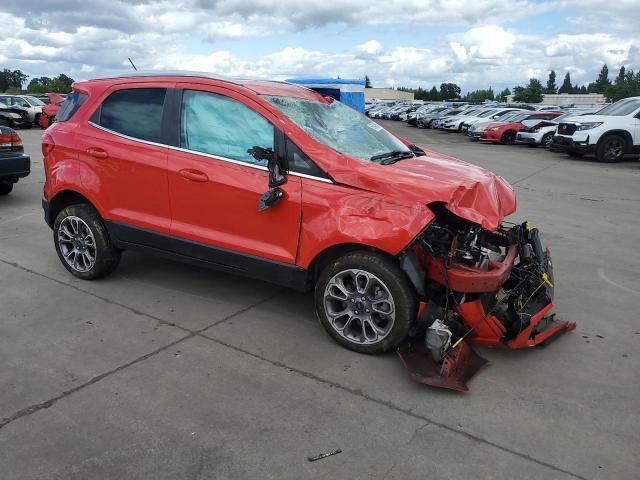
x=274 y=181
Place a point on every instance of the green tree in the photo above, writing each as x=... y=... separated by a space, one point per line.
x=39 y=85
x=551 y=83
x=61 y=84
x=602 y=82
x=449 y=91
x=502 y=96
x=566 y=86
x=532 y=93
x=367 y=82
x=626 y=84
x=434 y=95
x=12 y=79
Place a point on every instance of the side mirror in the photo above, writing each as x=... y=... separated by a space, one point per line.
x=276 y=177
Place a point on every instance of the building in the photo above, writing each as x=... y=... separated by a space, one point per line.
x=387 y=94
x=349 y=92
x=565 y=99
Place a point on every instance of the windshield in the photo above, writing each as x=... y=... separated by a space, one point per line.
x=339 y=127
x=623 y=107
x=34 y=101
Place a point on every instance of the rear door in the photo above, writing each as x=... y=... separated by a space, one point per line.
x=215 y=184
x=123 y=158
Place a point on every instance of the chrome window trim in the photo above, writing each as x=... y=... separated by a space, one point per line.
x=203 y=154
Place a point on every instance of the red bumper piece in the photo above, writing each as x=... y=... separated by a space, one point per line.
x=457 y=368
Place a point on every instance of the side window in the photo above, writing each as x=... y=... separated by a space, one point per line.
x=135 y=112
x=298 y=162
x=218 y=125
x=70 y=106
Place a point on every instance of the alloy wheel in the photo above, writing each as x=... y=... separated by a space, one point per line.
x=77 y=244
x=359 y=306
x=614 y=149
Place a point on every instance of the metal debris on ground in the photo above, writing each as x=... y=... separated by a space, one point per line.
x=324 y=455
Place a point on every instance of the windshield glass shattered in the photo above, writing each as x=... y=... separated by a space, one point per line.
x=339 y=127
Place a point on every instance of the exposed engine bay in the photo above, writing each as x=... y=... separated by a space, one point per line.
x=478 y=286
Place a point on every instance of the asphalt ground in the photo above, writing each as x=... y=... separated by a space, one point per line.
x=167 y=371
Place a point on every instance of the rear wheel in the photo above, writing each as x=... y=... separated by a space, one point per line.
x=611 y=149
x=365 y=302
x=508 y=138
x=83 y=244
x=5 y=188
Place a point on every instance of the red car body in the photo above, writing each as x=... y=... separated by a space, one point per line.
x=505 y=132
x=50 y=110
x=157 y=196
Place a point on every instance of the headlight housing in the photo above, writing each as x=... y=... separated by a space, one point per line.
x=588 y=125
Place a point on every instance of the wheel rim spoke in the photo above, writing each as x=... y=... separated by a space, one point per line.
x=359 y=306
x=77 y=244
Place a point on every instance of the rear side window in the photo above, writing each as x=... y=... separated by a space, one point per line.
x=135 y=112
x=70 y=106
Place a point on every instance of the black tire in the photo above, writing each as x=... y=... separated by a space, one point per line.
x=397 y=284
x=36 y=120
x=5 y=188
x=546 y=140
x=508 y=138
x=611 y=149
x=106 y=255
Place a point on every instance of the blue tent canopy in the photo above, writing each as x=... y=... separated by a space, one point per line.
x=348 y=91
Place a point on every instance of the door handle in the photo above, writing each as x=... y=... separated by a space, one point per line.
x=97 y=152
x=194 y=175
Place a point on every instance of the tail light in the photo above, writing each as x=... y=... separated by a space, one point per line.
x=47 y=145
x=10 y=141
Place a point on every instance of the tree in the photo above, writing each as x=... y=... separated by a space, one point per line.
x=602 y=82
x=12 y=79
x=532 y=93
x=627 y=85
x=551 y=83
x=61 y=84
x=367 y=82
x=502 y=96
x=434 y=96
x=449 y=91
x=480 y=95
x=39 y=85
x=566 y=85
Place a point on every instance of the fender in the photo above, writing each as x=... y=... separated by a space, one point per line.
x=336 y=214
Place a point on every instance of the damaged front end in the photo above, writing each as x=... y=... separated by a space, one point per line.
x=493 y=288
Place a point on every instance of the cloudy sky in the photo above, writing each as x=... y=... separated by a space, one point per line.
x=474 y=43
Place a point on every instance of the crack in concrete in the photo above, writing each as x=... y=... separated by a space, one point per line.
x=200 y=333
x=526 y=177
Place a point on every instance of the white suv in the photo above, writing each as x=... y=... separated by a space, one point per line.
x=609 y=134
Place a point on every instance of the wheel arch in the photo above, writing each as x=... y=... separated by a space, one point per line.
x=620 y=132
x=63 y=199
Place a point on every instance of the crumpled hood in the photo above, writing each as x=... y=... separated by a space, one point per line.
x=471 y=192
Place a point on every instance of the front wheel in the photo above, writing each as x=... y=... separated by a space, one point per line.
x=509 y=138
x=611 y=149
x=365 y=302
x=83 y=244
x=546 y=140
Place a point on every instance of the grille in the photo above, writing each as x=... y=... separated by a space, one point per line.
x=566 y=128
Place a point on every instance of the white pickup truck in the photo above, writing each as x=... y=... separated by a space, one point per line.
x=610 y=134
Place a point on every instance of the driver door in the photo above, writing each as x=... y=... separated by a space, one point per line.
x=215 y=184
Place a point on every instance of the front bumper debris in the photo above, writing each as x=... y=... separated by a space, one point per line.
x=502 y=302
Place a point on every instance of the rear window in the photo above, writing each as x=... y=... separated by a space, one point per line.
x=70 y=106
x=135 y=112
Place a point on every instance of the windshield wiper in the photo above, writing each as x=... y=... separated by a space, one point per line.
x=392 y=157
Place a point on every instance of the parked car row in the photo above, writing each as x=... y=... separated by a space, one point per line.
x=608 y=133
x=25 y=111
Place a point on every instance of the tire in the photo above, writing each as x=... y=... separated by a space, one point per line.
x=89 y=238
x=5 y=188
x=508 y=138
x=546 y=140
x=373 y=283
x=611 y=149
x=36 y=120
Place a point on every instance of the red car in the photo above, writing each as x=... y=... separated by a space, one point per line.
x=50 y=110
x=273 y=181
x=505 y=132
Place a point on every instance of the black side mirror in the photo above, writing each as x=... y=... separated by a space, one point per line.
x=276 y=177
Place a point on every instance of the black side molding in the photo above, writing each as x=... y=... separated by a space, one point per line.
x=287 y=275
